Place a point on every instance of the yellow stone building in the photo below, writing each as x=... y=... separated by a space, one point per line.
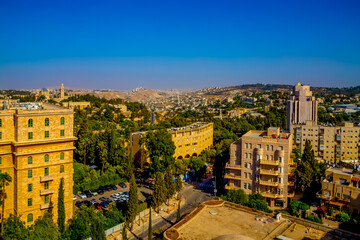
x=189 y=141
x=36 y=150
x=262 y=162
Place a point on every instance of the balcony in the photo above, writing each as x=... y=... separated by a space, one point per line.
x=271 y=195
x=291 y=194
x=232 y=176
x=46 y=178
x=236 y=167
x=269 y=162
x=269 y=183
x=325 y=197
x=46 y=205
x=46 y=191
x=269 y=172
x=291 y=184
x=228 y=187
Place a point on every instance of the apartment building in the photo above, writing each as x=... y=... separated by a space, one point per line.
x=331 y=143
x=302 y=106
x=189 y=141
x=340 y=190
x=36 y=150
x=262 y=162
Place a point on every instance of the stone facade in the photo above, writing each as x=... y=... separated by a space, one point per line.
x=261 y=162
x=36 y=150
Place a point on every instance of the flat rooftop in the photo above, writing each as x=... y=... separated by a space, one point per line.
x=189 y=127
x=31 y=106
x=225 y=223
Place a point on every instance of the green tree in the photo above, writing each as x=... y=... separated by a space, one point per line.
x=124 y=232
x=169 y=184
x=14 y=228
x=257 y=202
x=178 y=185
x=295 y=206
x=45 y=228
x=61 y=208
x=103 y=155
x=178 y=216
x=5 y=180
x=97 y=231
x=236 y=196
x=150 y=233
x=314 y=218
x=85 y=141
x=133 y=203
x=159 y=195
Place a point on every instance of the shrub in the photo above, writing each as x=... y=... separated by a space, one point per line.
x=330 y=211
x=342 y=217
x=314 y=218
x=236 y=196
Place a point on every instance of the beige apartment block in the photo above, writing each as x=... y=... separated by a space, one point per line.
x=262 y=162
x=330 y=143
x=302 y=106
x=189 y=141
x=36 y=150
x=341 y=190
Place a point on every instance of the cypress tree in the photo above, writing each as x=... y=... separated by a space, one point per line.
x=124 y=232
x=97 y=231
x=61 y=208
x=178 y=211
x=150 y=227
x=169 y=184
x=133 y=203
x=159 y=196
x=178 y=185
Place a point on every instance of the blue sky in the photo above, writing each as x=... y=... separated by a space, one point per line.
x=178 y=44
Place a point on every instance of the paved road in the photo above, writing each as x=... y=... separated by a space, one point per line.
x=193 y=195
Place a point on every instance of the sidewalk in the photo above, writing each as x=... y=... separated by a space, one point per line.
x=141 y=225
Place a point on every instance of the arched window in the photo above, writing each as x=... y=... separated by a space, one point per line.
x=62 y=121
x=46 y=158
x=62 y=156
x=30 y=123
x=29 y=217
x=29 y=160
x=46 y=122
x=61 y=168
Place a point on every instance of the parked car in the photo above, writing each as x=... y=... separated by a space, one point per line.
x=114 y=187
x=108 y=188
x=97 y=206
x=114 y=195
x=94 y=193
x=88 y=194
x=102 y=188
x=104 y=204
x=92 y=201
x=100 y=191
x=74 y=198
x=78 y=204
x=123 y=185
x=87 y=203
x=82 y=195
x=102 y=198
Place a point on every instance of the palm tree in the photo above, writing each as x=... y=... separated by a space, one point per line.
x=85 y=141
x=103 y=155
x=5 y=178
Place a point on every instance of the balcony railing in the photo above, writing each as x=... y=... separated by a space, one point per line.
x=291 y=184
x=269 y=162
x=236 y=167
x=227 y=186
x=291 y=194
x=269 y=183
x=271 y=195
x=269 y=172
x=46 y=178
x=46 y=205
x=320 y=195
x=46 y=191
x=232 y=176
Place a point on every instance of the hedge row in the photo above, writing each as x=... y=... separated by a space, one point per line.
x=100 y=182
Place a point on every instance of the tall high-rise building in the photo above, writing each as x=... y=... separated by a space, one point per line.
x=36 y=150
x=62 y=93
x=301 y=107
x=262 y=162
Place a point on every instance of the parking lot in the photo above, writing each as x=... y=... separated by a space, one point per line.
x=143 y=192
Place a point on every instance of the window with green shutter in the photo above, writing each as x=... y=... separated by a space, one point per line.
x=29 y=173
x=46 y=158
x=61 y=168
x=29 y=202
x=0 y=122
x=47 y=199
x=47 y=122
x=30 y=122
x=62 y=121
x=46 y=185
x=0 y=135
x=30 y=187
x=29 y=160
x=46 y=134
x=62 y=156
x=29 y=217
x=30 y=135
x=46 y=171
x=0 y=160
x=62 y=133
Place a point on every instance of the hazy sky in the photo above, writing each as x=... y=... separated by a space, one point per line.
x=178 y=44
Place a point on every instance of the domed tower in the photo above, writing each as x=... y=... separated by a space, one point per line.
x=62 y=93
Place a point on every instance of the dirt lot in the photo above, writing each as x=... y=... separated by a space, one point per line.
x=226 y=221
